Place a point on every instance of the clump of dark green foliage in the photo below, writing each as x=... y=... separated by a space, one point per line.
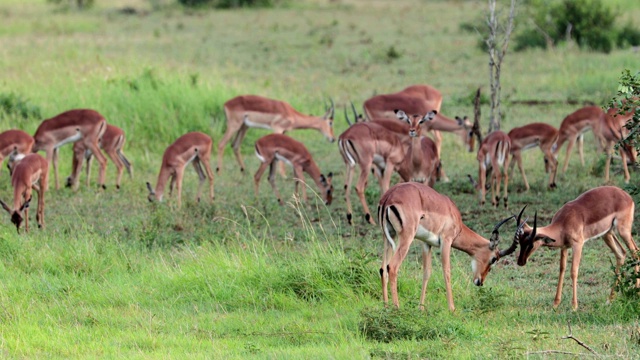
x=626 y=99
x=590 y=23
x=14 y=105
x=626 y=281
x=229 y=4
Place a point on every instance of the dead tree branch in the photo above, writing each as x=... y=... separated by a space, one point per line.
x=570 y=336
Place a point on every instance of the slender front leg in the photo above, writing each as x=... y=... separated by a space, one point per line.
x=426 y=272
x=299 y=179
x=272 y=180
x=575 y=265
x=178 y=179
x=446 y=270
x=563 y=266
x=55 y=167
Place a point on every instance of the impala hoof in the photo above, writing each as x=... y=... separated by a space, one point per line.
x=349 y=217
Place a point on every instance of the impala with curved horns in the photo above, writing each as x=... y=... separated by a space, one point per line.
x=247 y=111
x=596 y=213
x=411 y=211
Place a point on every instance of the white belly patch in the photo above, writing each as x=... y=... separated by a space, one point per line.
x=283 y=159
x=427 y=236
x=73 y=138
x=252 y=124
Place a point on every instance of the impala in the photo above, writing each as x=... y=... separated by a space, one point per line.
x=279 y=147
x=371 y=144
x=15 y=141
x=247 y=111
x=421 y=163
x=493 y=157
x=411 y=211
x=529 y=136
x=193 y=147
x=610 y=131
x=111 y=142
x=573 y=128
x=29 y=173
x=74 y=125
x=420 y=99
x=595 y=213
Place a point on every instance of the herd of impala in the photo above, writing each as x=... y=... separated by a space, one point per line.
x=390 y=136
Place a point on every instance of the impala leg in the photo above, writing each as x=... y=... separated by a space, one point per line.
x=386 y=177
x=404 y=241
x=360 y=188
x=609 y=150
x=76 y=164
x=201 y=177
x=178 y=180
x=498 y=179
x=570 y=142
x=482 y=176
x=236 y=145
x=506 y=183
x=272 y=180
x=299 y=179
x=102 y=160
x=581 y=147
x=232 y=128
x=575 y=265
x=258 y=176
x=55 y=167
x=206 y=161
x=40 y=210
x=623 y=156
x=518 y=158
x=426 y=272
x=347 y=192
x=89 y=159
x=26 y=220
x=446 y=270
x=619 y=252
x=552 y=163
x=387 y=253
x=113 y=155
x=563 y=266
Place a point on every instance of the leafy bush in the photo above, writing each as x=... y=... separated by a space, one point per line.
x=13 y=104
x=590 y=23
x=228 y=4
x=627 y=279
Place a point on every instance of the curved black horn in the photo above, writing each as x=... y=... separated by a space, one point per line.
x=532 y=236
x=355 y=112
x=333 y=108
x=346 y=116
x=516 y=240
x=520 y=215
x=495 y=234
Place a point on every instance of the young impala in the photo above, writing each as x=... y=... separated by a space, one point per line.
x=493 y=162
x=573 y=128
x=193 y=147
x=595 y=213
x=252 y=111
x=279 y=147
x=15 y=141
x=111 y=142
x=611 y=130
x=529 y=136
x=29 y=173
x=74 y=125
x=411 y=211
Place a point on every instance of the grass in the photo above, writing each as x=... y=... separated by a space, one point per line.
x=112 y=276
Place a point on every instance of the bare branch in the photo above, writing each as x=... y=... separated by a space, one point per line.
x=570 y=336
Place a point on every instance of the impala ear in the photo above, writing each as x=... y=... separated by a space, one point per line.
x=401 y=115
x=5 y=206
x=430 y=115
x=25 y=205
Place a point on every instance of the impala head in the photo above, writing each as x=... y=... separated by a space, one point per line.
x=483 y=263
x=327 y=125
x=470 y=131
x=327 y=191
x=415 y=121
x=530 y=240
x=16 y=214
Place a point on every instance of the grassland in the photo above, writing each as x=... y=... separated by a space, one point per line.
x=112 y=276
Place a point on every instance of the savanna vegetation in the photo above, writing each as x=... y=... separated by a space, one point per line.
x=113 y=276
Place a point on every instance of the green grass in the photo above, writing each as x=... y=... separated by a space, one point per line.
x=112 y=276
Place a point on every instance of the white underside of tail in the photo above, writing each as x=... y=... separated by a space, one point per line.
x=347 y=154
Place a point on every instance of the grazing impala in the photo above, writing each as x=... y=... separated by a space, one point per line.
x=246 y=111
x=493 y=157
x=595 y=213
x=573 y=128
x=15 y=141
x=420 y=99
x=279 y=147
x=421 y=163
x=529 y=136
x=111 y=142
x=29 y=173
x=411 y=211
x=74 y=125
x=610 y=131
x=193 y=147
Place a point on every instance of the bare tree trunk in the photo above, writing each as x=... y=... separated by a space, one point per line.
x=496 y=55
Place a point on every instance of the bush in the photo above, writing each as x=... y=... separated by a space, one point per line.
x=12 y=104
x=590 y=23
x=228 y=4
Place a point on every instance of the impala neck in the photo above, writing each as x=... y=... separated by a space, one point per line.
x=470 y=242
x=416 y=150
x=163 y=177
x=443 y=123
x=552 y=231
x=302 y=121
x=311 y=168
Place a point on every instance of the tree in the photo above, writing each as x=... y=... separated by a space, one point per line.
x=626 y=99
x=497 y=44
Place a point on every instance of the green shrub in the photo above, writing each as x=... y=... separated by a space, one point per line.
x=590 y=23
x=14 y=105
